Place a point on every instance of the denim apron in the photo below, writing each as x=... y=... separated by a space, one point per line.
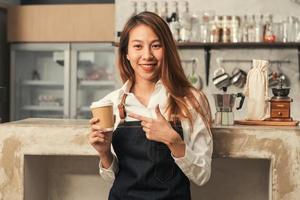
x=147 y=170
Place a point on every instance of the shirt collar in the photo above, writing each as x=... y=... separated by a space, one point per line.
x=158 y=84
x=126 y=87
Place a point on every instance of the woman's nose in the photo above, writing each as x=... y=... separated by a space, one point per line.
x=147 y=54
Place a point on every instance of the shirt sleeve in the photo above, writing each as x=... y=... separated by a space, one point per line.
x=109 y=173
x=196 y=163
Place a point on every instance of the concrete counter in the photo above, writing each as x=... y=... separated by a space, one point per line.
x=38 y=156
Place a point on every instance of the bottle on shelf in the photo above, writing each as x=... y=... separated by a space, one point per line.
x=244 y=29
x=174 y=21
x=259 y=21
x=215 y=30
x=269 y=32
x=251 y=29
x=133 y=8
x=226 y=29
x=195 y=28
x=174 y=12
x=185 y=23
x=142 y=6
x=291 y=29
x=152 y=7
x=205 y=26
x=163 y=12
x=174 y=27
x=235 y=27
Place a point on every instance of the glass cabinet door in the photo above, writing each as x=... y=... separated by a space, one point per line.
x=39 y=80
x=92 y=77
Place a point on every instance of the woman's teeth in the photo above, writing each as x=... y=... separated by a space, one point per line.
x=148 y=67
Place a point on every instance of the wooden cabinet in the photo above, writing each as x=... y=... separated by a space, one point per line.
x=61 y=23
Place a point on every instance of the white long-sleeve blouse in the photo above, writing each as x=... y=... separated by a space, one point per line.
x=195 y=164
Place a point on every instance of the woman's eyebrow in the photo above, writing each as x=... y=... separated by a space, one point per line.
x=156 y=40
x=136 y=40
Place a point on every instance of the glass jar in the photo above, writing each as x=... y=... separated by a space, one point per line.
x=235 y=28
x=215 y=30
x=226 y=33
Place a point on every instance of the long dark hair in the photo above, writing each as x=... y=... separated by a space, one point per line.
x=182 y=94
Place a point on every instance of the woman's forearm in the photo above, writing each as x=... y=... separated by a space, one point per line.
x=106 y=159
x=176 y=145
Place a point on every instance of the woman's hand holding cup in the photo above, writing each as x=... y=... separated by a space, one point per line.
x=100 y=139
x=102 y=125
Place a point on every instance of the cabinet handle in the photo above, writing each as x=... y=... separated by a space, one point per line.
x=279 y=113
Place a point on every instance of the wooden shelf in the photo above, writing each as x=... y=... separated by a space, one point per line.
x=266 y=123
x=239 y=45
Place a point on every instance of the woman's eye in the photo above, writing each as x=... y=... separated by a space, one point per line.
x=137 y=46
x=156 y=46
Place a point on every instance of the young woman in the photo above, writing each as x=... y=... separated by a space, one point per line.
x=162 y=135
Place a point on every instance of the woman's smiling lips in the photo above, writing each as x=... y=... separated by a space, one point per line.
x=148 y=67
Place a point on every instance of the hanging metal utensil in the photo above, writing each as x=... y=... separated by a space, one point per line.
x=221 y=78
x=238 y=77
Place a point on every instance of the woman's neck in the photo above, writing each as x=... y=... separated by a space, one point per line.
x=143 y=91
x=143 y=88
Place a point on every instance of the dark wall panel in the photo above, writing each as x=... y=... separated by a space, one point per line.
x=4 y=68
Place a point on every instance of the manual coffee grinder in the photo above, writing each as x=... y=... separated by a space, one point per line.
x=224 y=105
x=280 y=104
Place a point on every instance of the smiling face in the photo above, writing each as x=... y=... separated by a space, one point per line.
x=145 y=53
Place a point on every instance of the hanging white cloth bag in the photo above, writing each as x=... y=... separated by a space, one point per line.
x=256 y=90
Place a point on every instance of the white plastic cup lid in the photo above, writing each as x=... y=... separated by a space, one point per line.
x=98 y=104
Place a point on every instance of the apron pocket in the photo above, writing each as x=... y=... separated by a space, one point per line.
x=164 y=165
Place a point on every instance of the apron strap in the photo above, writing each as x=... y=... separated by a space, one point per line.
x=175 y=120
x=121 y=107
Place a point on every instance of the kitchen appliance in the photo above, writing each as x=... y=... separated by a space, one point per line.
x=224 y=105
x=280 y=104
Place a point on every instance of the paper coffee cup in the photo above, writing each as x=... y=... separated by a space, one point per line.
x=103 y=110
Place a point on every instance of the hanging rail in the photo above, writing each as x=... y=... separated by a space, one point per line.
x=248 y=60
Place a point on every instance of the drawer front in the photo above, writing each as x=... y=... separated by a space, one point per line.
x=280 y=113
x=280 y=105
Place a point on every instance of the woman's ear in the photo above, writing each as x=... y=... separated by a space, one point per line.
x=127 y=56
